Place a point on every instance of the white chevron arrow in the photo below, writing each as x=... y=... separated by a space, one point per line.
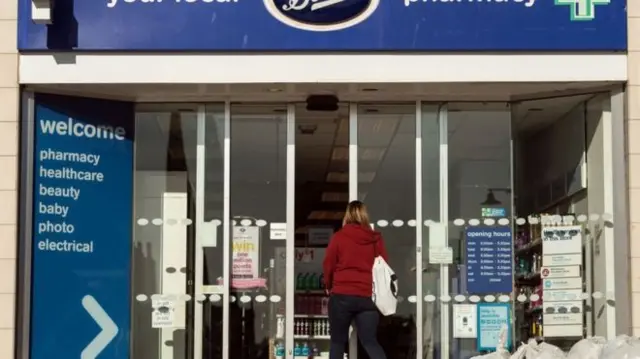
x=108 y=326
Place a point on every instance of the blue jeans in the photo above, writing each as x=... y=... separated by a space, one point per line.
x=345 y=309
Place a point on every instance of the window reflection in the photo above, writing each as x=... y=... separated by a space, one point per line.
x=386 y=183
x=164 y=195
x=479 y=182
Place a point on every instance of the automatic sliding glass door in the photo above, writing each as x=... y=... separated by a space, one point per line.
x=246 y=306
x=243 y=232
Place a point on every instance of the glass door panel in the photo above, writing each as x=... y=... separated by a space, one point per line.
x=322 y=193
x=430 y=209
x=258 y=209
x=386 y=180
x=479 y=194
x=165 y=179
x=212 y=125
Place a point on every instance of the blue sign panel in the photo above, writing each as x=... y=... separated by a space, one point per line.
x=326 y=25
x=494 y=320
x=82 y=229
x=489 y=259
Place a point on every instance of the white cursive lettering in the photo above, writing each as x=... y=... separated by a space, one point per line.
x=297 y=5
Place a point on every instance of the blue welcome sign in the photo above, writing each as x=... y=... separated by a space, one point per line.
x=328 y=25
x=82 y=228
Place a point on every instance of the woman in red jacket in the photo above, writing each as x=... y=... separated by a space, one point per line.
x=349 y=280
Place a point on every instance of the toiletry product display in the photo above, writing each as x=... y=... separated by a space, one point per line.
x=532 y=278
x=312 y=327
x=309 y=281
x=307 y=350
x=279 y=350
x=311 y=304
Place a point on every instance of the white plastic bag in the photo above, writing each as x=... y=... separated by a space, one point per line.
x=501 y=350
x=385 y=287
x=547 y=351
x=589 y=348
x=623 y=347
x=521 y=353
x=526 y=351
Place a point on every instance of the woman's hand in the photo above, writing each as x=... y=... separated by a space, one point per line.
x=326 y=291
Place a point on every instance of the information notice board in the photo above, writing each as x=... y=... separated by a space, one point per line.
x=489 y=259
x=494 y=319
x=82 y=228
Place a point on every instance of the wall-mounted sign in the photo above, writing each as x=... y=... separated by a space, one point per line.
x=489 y=259
x=245 y=258
x=494 y=212
x=465 y=320
x=440 y=255
x=562 y=259
x=82 y=225
x=561 y=240
x=560 y=272
x=562 y=283
x=493 y=320
x=278 y=231
x=163 y=313
x=329 y=25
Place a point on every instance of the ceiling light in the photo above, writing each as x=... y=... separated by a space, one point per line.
x=307 y=129
x=340 y=153
x=275 y=90
x=338 y=177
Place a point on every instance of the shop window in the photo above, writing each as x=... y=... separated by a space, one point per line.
x=166 y=174
x=478 y=189
x=561 y=181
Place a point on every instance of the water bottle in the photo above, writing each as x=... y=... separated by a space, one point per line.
x=297 y=350
x=279 y=351
x=305 y=350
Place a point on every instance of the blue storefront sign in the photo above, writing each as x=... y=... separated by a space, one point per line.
x=326 y=25
x=82 y=229
x=489 y=259
x=493 y=319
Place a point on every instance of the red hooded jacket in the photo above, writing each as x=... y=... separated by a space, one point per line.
x=348 y=260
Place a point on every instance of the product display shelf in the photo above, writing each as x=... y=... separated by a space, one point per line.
x=311 y=322
x=527 y=280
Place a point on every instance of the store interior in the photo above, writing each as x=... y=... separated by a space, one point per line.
x=519 y=159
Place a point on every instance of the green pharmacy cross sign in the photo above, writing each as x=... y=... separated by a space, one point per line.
x=583 y=10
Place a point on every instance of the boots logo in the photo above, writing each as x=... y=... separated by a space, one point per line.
x=321 y=15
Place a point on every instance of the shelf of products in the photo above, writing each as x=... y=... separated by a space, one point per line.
x=311 y=314
x=549 y=263
x=528 y=281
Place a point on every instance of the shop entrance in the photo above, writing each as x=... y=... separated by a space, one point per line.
x=291 y=174
x=264 y=186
